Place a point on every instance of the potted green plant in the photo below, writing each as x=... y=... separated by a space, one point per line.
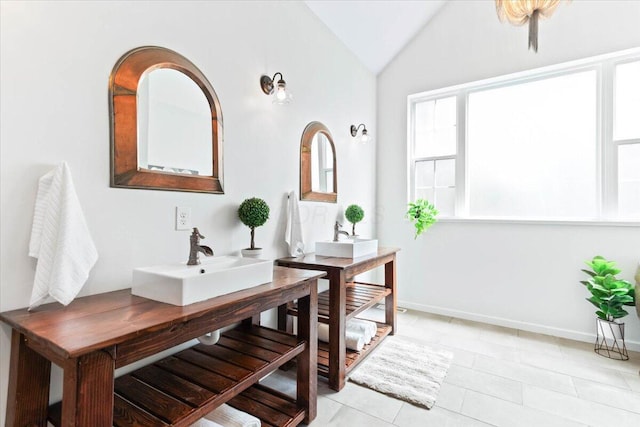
x=422 y=214
x=253 y=212
x=354 y=215
x=609 y=294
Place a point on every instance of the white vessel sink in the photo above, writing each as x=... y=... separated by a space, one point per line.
x=181 y=284
x=351 y=248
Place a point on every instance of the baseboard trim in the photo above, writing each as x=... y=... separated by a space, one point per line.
x=509 y=323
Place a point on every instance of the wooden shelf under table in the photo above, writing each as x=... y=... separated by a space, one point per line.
x=178 y=390
x=353 y=357
x=360 y=297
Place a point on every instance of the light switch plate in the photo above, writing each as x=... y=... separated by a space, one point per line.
x=183 y=218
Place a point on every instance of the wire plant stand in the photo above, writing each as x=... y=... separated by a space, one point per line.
x=610 y=340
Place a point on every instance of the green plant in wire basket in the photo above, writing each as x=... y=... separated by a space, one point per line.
x=608 y=293
x=354 y=215
x=422 y=214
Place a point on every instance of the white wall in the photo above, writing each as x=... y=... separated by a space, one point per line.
x=56 y=58
x=513 y=274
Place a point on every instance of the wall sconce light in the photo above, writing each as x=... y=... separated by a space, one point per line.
x=279 y=91
x=365 y=134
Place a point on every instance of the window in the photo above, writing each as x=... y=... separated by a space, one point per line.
x=558 y=143
x=626 y=139
x=435 y=152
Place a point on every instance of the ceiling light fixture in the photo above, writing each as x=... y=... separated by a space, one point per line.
x=365 y=134
x=519 y=12
x=281 y=95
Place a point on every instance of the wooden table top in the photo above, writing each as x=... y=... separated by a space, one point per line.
x=102 y=320
x=313 y=260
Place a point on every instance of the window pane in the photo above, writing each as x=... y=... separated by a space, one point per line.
x=629 y=181
x=445 y=201
x=627 y=101
x=435 y=128
x=424 y=174
x=424 y=193
x=532 y=148
x=445 y=173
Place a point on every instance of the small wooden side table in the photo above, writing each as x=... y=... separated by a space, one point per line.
x=344 y=300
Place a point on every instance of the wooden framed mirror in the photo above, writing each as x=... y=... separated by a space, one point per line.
x=166 y=124
x=318 y=172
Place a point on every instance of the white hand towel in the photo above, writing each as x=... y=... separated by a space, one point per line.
x=227 y=416
x=60 y=240
x=203 y=422
x=353 y=340
x=293 y=232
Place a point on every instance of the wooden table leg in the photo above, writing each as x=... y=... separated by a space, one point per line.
x=337 y=322
x=307 y=379
x=285 y=322
x=87 y=397
x=29 y=377
x=390 y=302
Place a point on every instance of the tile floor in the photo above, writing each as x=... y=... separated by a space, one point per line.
x=499 y=377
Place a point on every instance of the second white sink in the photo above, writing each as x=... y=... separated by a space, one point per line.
x=181 y=284
x=351 y=248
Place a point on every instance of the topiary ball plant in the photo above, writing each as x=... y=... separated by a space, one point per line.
x=422 y=214
x=253 y=212
x=608 y=293
x=354 y=214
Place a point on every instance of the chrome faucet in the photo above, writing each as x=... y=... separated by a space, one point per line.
x=337 y=232
x=197 y=247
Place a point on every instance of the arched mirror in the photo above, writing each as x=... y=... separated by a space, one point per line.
x=166 y=124
x=318 y=173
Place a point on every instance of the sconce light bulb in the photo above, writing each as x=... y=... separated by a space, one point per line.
x=281 y=90
x=365 y=136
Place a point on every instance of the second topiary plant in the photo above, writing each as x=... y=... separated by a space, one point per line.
x=253 y=212
x=354 y=215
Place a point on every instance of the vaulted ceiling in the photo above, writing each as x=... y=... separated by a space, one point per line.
x=375 y=30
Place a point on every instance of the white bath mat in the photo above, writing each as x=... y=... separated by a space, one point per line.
x=405 y=370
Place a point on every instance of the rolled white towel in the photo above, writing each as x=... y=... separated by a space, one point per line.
x=360 y=329
x=373 y=328
x=227 y=416
x=353 y=340
x=203 y=422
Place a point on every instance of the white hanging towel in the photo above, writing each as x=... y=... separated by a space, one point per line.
x=60 y=240
x=227 y=416
x=293 y=232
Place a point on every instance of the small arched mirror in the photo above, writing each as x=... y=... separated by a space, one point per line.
x=166 y=124
x=318 y=173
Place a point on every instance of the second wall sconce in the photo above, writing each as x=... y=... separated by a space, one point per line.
x=281 y=95
x=354 y=131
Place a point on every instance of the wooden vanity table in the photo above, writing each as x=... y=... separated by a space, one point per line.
x=344 y=300
x=94 y=335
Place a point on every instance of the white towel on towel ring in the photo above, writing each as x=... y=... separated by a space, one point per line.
x=60 y=240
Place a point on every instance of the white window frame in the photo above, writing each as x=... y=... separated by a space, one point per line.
x=606 y=146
